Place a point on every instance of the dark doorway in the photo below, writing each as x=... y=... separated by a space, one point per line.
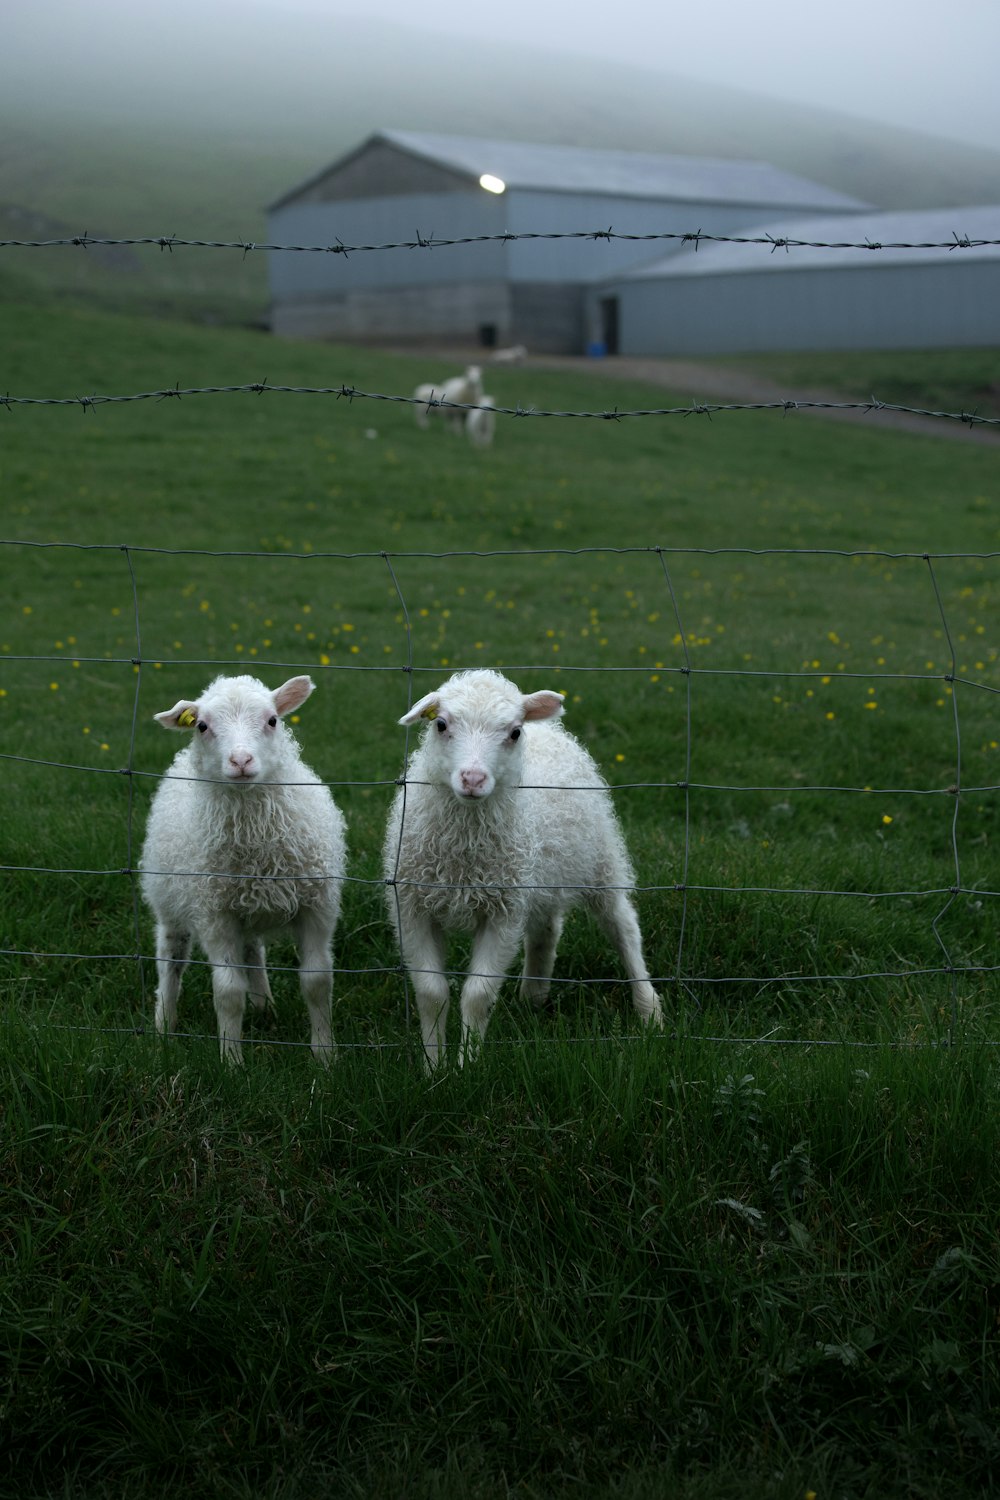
x=609 y=324
x=488 y=335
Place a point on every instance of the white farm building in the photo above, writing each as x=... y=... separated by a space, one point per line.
x=401 y=185
x=727 y=299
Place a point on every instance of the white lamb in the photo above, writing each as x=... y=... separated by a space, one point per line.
x=425 y=394
x=515 y=355
x=460 y=390
x=480 y=423
x=502 y=824
x=243 y=841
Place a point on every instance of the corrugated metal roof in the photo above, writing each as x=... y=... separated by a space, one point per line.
x=635 y=174
x=933 y=227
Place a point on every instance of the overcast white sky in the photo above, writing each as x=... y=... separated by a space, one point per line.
x=928 y=64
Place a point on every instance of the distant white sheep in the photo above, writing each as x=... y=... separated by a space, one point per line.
x=502 y=825
x=515 y=355
x=425 y=394
x=461 y=390
x=480 y=423
x=243 y=841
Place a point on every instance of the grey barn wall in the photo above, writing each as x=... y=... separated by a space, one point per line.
x=551 y=315
x=527 y=291
x=585 y=260
x=298 y=277
x=867 y=307
x=454 y=215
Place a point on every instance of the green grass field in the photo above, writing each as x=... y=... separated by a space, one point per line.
x=756 y=1255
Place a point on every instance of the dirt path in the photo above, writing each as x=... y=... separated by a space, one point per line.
x=715 y=383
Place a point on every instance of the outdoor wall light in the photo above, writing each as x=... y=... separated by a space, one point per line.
x=492 y=184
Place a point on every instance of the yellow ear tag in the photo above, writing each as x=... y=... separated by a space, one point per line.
x=186 y=719
x=430 y=712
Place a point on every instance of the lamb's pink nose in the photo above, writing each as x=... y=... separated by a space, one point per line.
x=242 y=762
x=473 y=781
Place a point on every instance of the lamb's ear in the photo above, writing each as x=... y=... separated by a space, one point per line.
x=292 y=694
x=183 y=715
x=543 y=705
x=427 y=708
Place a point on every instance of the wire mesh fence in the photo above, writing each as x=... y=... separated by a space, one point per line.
x=687 y=673
x=681 y=669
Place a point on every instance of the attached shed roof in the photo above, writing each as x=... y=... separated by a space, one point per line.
x=941 y=231
x=634 y=174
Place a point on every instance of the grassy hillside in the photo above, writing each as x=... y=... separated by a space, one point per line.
x=754 y=1255
x=131 y=125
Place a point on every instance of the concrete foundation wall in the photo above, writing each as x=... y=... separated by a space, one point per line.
x=461 y=313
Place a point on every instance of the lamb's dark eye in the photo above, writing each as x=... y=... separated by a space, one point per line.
x=202 y=726
x=442 y=725
x=515 y=734
x=272 y=720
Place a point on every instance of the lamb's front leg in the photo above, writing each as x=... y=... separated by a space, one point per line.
x=494 y=949
x=620 y=921
x=314 y=939
x=540 y=943
x=423 y=948
x=224 y=948
x=173 y=948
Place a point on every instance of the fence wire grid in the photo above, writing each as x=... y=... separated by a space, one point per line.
x=680 y=983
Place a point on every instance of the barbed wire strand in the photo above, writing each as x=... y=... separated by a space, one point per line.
x=353 y=393
x=770 y=242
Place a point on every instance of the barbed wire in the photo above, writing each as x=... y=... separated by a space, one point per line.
x=352 y=393
x=171 y=242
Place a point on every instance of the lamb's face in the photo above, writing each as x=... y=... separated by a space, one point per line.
x=475 y=740
x=235 y=736
x=238 y=737
x=474 y=753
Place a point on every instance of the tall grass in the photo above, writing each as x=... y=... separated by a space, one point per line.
x=756 y=1254
x=574 y=1268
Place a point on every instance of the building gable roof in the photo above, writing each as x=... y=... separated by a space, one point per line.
x=633 y=174
x=940 y=231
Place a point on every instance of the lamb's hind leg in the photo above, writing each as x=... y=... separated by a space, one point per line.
x=255 y=963
x=540 y=943
x=173 y=948
x=314 y=937
x=617 y=915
